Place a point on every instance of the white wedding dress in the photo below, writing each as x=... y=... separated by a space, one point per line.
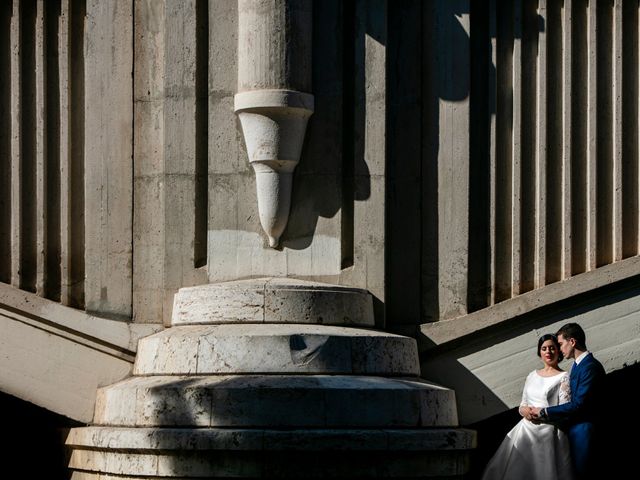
x=530 y=451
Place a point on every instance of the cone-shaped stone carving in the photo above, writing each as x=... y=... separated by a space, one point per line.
x=274 y=123
x=273 y=184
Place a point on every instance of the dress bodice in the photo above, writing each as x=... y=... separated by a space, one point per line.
x=542 y=391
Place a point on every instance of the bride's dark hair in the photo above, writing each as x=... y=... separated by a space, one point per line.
x=554 y=339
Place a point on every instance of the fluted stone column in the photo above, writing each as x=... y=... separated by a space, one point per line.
x=273 y=377
x=273 y=100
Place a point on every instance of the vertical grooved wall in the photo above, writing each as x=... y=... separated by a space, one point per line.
x=461 y=153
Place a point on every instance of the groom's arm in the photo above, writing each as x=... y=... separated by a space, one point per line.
x=587 y=381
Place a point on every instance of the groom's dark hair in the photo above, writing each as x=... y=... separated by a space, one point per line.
x=575 y=331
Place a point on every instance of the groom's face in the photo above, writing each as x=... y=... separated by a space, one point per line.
x=566 y=346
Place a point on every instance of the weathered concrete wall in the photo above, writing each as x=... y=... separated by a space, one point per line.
x=455 y=160
x=149 y=187
x=108 y=157
x=457 y=166
x=170 y=148
x=428 y=125
x=185 y=67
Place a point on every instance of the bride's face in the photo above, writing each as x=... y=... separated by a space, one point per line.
x=549 y=353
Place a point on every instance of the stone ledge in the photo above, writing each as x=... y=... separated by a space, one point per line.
x=288 y=401
x=112 y=337
x=100 y=452
x=101 y=465
x=273 y=300
x=277 y=348
x=211 y=439
x=439 y=333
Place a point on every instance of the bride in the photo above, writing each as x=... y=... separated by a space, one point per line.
x=537 y=451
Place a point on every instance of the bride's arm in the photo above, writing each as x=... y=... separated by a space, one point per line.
x=564 y=394
x=525 y=410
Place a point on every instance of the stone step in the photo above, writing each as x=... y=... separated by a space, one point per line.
x=263 y=453
x=273 y=300
x=321 y=401
x=283 y=348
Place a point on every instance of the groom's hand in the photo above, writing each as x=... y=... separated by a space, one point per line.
x=535 y=414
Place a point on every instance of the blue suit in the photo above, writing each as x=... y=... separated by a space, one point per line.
x=579 y=416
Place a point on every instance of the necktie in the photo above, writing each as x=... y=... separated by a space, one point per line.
x=574 y=368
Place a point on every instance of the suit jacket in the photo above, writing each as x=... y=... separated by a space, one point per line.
x=584 y=380
x=579 y=416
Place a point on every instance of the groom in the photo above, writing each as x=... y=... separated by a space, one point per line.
x=580 y=413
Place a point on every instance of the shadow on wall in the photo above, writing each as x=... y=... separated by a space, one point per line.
x=33 y=432
x=441 y=99
x=433 y=56
x=375 y=70
x=333 y=172
x=427 y=66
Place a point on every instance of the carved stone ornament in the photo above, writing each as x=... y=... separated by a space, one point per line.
x=274 y=123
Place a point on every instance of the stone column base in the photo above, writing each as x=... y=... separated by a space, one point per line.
x=273 y=378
